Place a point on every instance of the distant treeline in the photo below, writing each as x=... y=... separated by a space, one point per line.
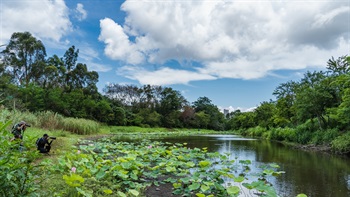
x=30 y=81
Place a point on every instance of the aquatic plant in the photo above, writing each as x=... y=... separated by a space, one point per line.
x=106 y=167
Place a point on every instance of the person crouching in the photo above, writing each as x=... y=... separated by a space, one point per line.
x=43 y=144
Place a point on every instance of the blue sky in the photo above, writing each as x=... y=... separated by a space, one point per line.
x=234 y=52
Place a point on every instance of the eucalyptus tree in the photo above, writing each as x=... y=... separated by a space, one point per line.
x=25 y=57
x=54 y=73
x=339 y=66
x=70 y=60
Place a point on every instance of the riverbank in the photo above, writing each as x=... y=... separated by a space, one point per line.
x=154 y=190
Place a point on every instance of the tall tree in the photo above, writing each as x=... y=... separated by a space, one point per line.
x=339 y=66
x=70 y=60
x=171 y=103
x=24 y=55
x=313 y=97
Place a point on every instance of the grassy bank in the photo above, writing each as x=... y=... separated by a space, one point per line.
x=304 y=136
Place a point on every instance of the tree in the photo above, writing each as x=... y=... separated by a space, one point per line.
x=188 y=117
x=25 y=56
x=217 y=119
x=313 y=97
x=171 y=102
x=54 y=73
x=338 y=66
x=264 y=114
x=70 y=59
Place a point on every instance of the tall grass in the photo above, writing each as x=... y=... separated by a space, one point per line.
x=80 y=126
x=48 y=120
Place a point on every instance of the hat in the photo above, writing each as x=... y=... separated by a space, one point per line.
x=22 y=122
x=45 y=135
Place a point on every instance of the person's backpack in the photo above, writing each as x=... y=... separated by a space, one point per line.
x=37 y=142
x=13 y=131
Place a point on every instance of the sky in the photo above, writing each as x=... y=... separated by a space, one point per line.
x=235 y=52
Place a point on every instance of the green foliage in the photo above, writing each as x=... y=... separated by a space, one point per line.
x=49 y=120
x=341 y=144
x=126 y=169
x=52 y=121
x=80 y=126
x=19 y=174
x=283 y=134
x=255 y=131
x=324 y=137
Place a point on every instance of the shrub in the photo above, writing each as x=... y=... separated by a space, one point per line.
x=256 y=131
x=324 y=136
x=18 y=172
x=341 y=144
x=283 y=134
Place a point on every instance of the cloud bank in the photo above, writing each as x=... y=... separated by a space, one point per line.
x=227 y=39
x=44 y=19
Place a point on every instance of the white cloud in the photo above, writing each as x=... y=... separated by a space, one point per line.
x=163 y=76
x=89 y=56
x=232 y=109
x=92 y=66
x=81 y=13
x=229 y=39
x=48 y=19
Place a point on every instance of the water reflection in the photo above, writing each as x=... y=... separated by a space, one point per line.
x=315 y=174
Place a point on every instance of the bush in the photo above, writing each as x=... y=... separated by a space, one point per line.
x=324 y=136
x=341 y=144
x=256 y=131
x=18 y=172
x=283 y=134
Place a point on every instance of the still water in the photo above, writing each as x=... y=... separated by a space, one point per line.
x=314 y=174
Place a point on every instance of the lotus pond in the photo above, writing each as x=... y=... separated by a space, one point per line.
x=199 y=165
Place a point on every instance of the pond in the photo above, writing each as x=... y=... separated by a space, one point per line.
x=311 y=173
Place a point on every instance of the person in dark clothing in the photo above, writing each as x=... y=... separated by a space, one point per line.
x=43 y=144
x=18 y=130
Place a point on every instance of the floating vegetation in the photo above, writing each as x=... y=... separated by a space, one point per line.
x=106 y=167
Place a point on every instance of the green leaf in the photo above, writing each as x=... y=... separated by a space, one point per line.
x=121 y=194
x=301 y=195
x=177 y=185
x=200 y=195
x=170 y=169
x=232 y=190
x=190 y=164
x=108 y=191
x=134 y=192
x=274 y=165
x=194 y=186
x=134 y=176
x=268 y=172
x=73 y=180
x=204 y=188
x=100 y=174
x=238 y=179
x=86 y=193
x=204 y=164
